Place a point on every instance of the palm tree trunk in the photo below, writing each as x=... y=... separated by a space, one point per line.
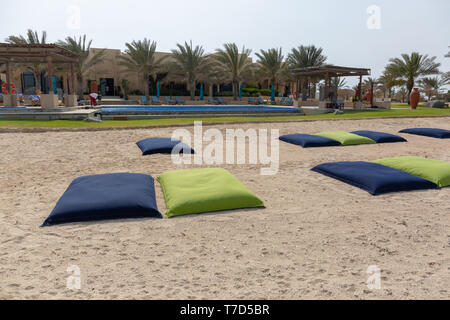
x=305 y=90
x=80 y=86
x=409 y=86
x=235 y=89
x=37 y=81
x=192 y=88
x=146 y=88
x=145 y=80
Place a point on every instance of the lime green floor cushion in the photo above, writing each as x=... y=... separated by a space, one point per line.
x=436 y=171
x=204 y=190
x=346 y=138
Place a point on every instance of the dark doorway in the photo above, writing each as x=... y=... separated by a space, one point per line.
x=106 y=87
x=57 y=84
x=29 y=83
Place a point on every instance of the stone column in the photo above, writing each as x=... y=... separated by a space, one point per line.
x=9 y=100
x=71 y=99
x=50 y=100
x=325 y=89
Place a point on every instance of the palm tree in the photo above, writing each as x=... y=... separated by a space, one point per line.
x=304 y=57
x=86 y=60
x=411 y=67
x=234 y=64
x=338 y=82
x=192 y=63
x=446 y=76
x=402 y=93
x=32 y=37
x=270 y=64
x=141 y=59
x=369 y=83
x=389 y=81
x=432 y=85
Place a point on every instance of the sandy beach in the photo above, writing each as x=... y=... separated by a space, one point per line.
x=315 y=238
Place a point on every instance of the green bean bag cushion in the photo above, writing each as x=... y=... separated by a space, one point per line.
x=204 y=190
x=436 y=171
x=346 y=138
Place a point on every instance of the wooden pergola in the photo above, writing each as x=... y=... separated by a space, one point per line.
x=38 y=53
x=327 y=72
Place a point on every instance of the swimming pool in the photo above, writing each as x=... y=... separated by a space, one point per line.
x=194 y=109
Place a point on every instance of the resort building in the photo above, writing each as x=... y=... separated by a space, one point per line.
x=108 y=75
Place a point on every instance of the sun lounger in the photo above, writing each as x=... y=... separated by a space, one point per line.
x=155 y=100
x=212 y=101
x=260 y=101
x=169 y=101
x=281 y=102
x=288 y=102
x=221 y=101
x=252 y=101
x=178 y=100
x=144 y=100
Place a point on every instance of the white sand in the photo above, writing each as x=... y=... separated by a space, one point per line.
x=315 y=239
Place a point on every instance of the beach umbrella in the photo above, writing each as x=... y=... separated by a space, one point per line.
x=54 y=84
x=272 y=96
x=201 y=91
x=157 y=88
x=240 y=91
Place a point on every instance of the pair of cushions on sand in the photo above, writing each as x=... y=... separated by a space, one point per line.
x=132 y=195
x=340 y=138
x=390 y=174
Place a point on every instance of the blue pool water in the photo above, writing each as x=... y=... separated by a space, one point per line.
x=178 y=109
x=13 y=108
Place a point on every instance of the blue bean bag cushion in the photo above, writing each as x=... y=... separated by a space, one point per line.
x=374 y=178
x=106 y=196
x=309 y=141
x=162 y=145
x=380 y=137
x=428 y=132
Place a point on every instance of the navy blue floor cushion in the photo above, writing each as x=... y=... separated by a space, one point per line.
x=161 y=145
x=309 y=141
x=429 y=132
x=106 y=196
x=380 y=137
x=373 y=177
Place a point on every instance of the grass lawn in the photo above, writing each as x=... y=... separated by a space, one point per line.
x=399 y=111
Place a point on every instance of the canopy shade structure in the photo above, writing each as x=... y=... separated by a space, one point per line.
x=16 y=53
x=12 y=54
x=329 y=71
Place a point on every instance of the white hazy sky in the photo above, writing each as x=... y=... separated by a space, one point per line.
x=340 y=27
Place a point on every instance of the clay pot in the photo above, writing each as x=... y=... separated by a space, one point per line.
x=93 y=87
x=414 y=98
